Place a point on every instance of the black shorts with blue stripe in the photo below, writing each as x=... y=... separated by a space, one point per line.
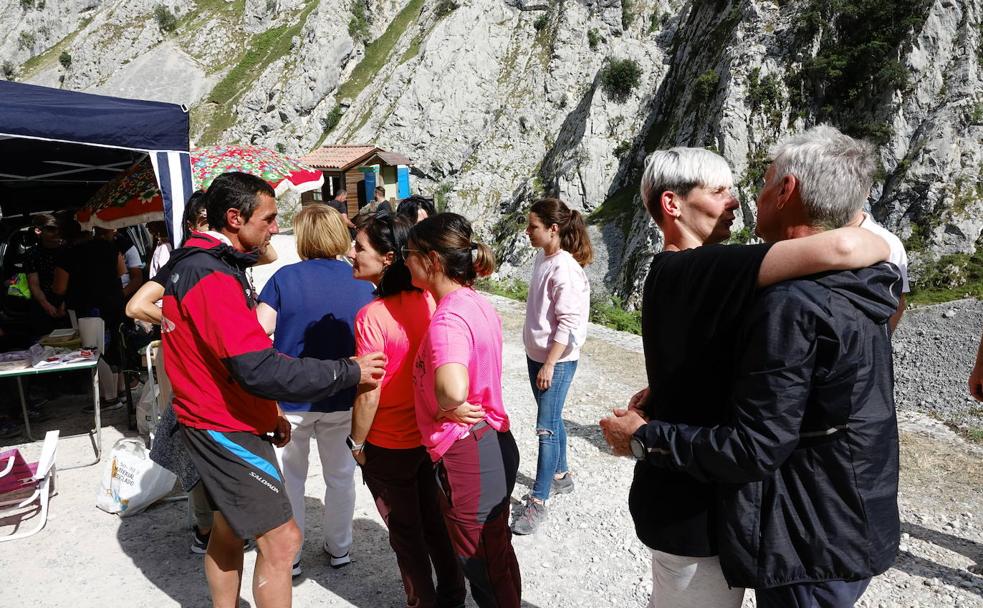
x=241 y=477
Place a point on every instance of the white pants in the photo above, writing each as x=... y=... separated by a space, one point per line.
x=690 y=582
x=330 y=430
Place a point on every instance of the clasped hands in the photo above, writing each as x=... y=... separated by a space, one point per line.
x=619 y=427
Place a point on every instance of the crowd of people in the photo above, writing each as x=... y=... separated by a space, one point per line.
x=765 y=435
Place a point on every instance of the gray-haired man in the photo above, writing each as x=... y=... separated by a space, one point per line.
x=807 y=464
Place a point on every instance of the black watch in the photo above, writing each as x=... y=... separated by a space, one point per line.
x=638 y=449
x=355 y=447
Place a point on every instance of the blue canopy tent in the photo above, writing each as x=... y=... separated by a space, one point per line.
x=58 y=147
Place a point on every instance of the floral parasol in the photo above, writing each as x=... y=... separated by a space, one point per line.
x=279 y=170
x=130 y=198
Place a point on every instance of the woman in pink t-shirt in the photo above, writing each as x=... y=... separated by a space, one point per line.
x=385 y=439
x=457 y=379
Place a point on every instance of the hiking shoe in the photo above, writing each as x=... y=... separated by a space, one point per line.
x=109 y=405
x=339 y=561
x=563 y=485
x=529 y=520
x=199 y=541
x=295 y=571
x=8 y=428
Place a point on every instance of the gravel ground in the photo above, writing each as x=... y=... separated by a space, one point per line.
x=934 y=351
x=586 y=556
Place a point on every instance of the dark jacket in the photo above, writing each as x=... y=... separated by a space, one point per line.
x=223 y=369
x=809 y=460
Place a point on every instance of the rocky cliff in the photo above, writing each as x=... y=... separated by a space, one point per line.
x=499 y=101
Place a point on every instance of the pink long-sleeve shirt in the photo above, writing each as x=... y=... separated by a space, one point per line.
x=557 y=308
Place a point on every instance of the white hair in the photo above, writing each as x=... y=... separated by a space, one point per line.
x=835 y=173
x=680 y=170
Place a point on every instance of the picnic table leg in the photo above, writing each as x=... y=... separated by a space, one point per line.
x=95 y=404
x=23 y=407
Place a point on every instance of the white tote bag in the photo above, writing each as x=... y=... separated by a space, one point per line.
x=131 y=482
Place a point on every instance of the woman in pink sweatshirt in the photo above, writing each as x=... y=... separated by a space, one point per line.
x=557 y=312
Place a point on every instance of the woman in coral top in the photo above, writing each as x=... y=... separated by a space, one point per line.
x=385 y=439
x=457 y=379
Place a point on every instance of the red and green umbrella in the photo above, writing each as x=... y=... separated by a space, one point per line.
x=133 y=197
x=130 y=198
x=279 y=170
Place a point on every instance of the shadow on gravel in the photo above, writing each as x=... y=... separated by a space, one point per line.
x=957 y=544
x=590 y=432
x=373 y=577
x=919 y=566
x=159 y=543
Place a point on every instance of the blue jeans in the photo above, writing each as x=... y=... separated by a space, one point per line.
x=549 y=424
x=827 y=594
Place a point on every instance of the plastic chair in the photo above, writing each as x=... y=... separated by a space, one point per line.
x=25 y=488
x=159 y=384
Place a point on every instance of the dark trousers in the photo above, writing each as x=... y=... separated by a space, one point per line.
x=476 y=478
x=405 y=492
x=828 y=594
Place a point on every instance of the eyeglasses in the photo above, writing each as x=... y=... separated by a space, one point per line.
x=406 y=251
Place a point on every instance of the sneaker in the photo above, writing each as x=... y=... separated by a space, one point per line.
x=36 y=414
x=563 y=485
x=529 y=519
x=339 y=561
x=109 y=405
x=295 y=571
x=8 y=428
x=199 y=541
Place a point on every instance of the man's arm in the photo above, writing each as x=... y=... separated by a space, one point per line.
x=840 y=249
x=769 y=398
x=230 y=329
x=896 y=317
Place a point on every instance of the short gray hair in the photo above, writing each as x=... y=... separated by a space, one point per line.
x=835 y=173
x=680 y=170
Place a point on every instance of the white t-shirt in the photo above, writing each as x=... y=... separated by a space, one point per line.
x=160 y=257
x=131 y=259
x=898 y=257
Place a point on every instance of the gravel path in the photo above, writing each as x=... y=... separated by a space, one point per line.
x=587 y=555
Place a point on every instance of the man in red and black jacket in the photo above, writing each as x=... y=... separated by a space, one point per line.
x=226 y=378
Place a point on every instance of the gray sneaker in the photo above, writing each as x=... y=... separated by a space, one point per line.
x=529 y=520
x=563 y=485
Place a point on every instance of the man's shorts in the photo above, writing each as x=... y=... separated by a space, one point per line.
x=241 y=478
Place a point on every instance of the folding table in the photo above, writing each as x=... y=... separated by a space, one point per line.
x=89 y=365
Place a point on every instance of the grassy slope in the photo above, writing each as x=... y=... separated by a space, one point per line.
x=376 y=56
x=261 y=51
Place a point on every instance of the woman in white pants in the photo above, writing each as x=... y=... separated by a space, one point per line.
x=311 y=307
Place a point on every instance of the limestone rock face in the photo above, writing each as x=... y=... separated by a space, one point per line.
x=499 y=102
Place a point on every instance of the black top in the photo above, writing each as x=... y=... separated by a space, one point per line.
x=43 y=260
x=811 y=447
x=692 y=305
x=93 y=280
x=339 y=206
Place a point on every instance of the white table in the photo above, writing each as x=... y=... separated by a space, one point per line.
x=54 y=369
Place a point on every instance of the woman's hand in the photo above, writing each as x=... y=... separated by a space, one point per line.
x=544 y=379
x=466 y=413
x=359 y=457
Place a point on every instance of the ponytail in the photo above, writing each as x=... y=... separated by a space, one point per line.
x=484 y=259
x=573 y=230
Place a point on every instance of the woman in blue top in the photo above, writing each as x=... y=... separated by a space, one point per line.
x=311 y=306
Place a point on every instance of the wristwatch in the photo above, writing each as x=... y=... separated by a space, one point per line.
x=355 y=447
x=638 y=449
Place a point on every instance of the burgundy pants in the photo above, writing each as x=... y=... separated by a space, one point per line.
x=405 y=492
x=476 y=477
